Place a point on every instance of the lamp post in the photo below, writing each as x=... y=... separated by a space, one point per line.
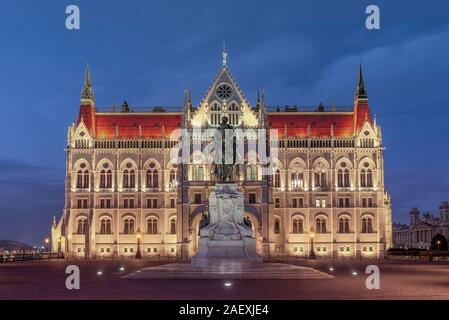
x=47 y=241
x=438 y=244
x=138 y=236
x=312 y=252
x=59 y=247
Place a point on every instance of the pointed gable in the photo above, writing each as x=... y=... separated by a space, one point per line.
x=224 y=76
x=224 y=98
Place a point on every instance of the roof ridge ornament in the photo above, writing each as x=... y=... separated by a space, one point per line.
x=224 y=54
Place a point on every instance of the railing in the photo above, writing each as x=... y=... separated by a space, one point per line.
x=118 y=109
x=12 y=257
x=132 y=256
x=320 y=108
x=286 y=108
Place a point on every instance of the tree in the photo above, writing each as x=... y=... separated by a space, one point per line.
x=439 y=242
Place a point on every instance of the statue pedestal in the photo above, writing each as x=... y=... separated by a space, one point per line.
x=226 y=236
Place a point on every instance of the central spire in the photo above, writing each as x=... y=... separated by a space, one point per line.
x=224 y=54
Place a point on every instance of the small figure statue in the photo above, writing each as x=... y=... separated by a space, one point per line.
x=223 y=170
x=204 y=222
x=247 y=222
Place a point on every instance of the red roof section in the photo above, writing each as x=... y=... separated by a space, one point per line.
x=320 y=124
x=361 y=113
x=128 y=124
x=87 y=114
x=105 y=125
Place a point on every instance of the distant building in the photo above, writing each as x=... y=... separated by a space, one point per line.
x=422 y=228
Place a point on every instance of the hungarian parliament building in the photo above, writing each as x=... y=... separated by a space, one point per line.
x=126 y=195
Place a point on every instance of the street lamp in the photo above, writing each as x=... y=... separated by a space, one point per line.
x=47 y=241
x=312 y=252
x=59 y=246
x=138 y=236
x=438 y=244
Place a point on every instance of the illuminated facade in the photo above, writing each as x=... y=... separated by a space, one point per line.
x=121 y=180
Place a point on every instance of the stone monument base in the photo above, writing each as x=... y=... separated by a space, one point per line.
x=225 y=234
x=211 y=251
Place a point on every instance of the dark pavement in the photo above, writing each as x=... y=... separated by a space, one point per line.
x=398 y=280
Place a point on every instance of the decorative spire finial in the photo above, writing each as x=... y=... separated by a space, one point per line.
x=187 y=97
x=360 y=91
x=187 y=108
x=87 y=92
x=125 y=106
x=224 y=54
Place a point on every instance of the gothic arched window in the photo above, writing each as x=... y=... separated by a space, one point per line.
x=320 y=179
x=86 y=179
x=369 y=178
x=173 y=226
x=82 y=177
x=343 y=178
x=215 y=114
x=343 y=225
x=128 y=226
x=363 y=178
x=152 y=226
x=79 y=179
x=197 y=173
x=129 y=177
x=172 y=180
x=277 y=226
x=152 y=176
x=320 y=225
x=366 y=176
x=105 y=226
x=81 y=226
x=105 y=178
x=320 y=175
x=297 y=179
x=297 y=225
x=297 y=176
x=367 y=225
x=277 y=179
x=251 y=172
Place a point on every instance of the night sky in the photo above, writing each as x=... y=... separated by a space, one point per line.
x=148 y=52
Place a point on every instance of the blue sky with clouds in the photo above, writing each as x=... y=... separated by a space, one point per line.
x=148 y=52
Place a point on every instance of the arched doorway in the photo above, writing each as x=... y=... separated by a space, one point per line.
x=195 y=218
x=257 y=228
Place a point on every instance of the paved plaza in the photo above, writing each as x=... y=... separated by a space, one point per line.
x=398 y=280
